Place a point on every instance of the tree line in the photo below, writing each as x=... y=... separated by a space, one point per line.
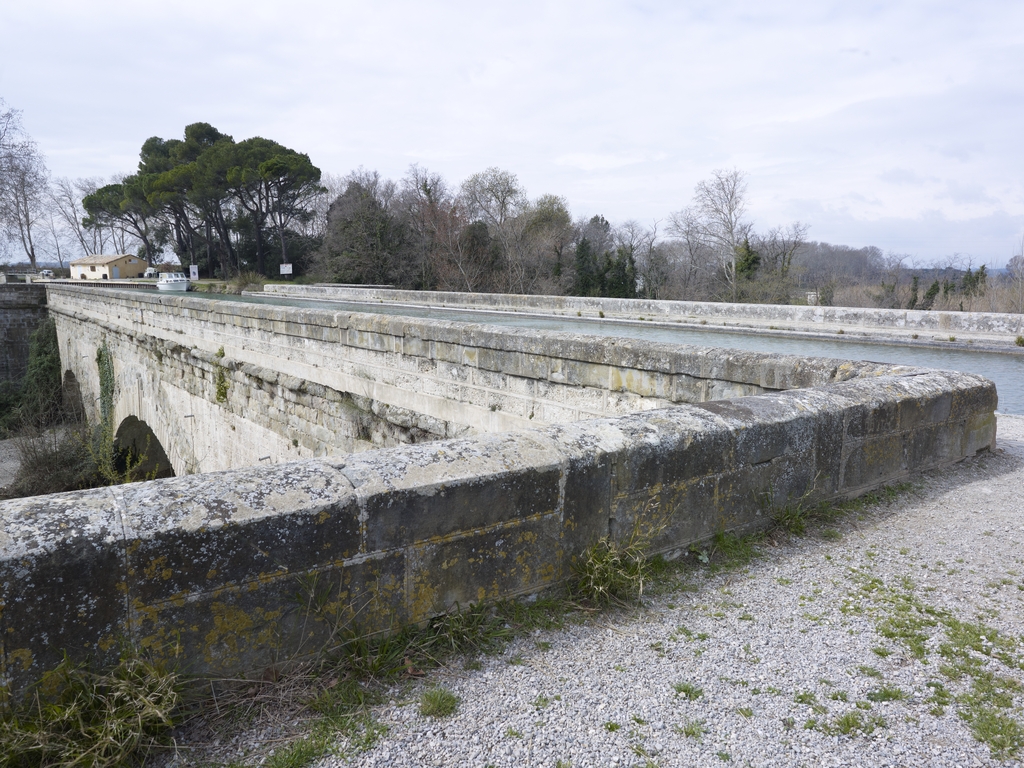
x=232 y=206
x=226 y=206
x=486 y=234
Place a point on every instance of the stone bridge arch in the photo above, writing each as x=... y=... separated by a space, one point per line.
x=135 y=442
x=167 y=393
x=71 y=395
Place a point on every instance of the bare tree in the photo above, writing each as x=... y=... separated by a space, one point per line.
x=496 y=198
x=458 y=256
x=65 y=203
x=720 y=207
x=692 y=257
x=779 y=245
x=23 y=183
x=59 y=239
x=332 y=186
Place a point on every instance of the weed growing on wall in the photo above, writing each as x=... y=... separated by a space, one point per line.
x=221 y=379
x=36 y=402
x=105 y=367
x=613 y=571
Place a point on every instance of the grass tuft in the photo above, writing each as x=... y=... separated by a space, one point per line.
x=438 y=702
x=79 y=718
x=689 y=690
x=615 y=572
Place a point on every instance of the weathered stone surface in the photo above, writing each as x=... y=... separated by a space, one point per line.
x=247 y=566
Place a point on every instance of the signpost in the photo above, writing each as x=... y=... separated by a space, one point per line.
x=193 y=272
x=286 y=269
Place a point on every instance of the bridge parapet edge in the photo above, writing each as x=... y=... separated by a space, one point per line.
x=1005 y=326
x=239 y=569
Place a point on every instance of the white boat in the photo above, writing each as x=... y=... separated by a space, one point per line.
x=173 y=281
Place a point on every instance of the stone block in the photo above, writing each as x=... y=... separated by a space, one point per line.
x=202 y=533
x=63 y=583
x=259 y=624
x=872 y=462
x=520 y=557
x=423 y=491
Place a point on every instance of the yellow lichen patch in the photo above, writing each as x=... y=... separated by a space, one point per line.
x=106 y=643
x=235 y=630
x=882 y=451
x=144 y=612
x=424 y=598
x=212 y=573
x=154 y=566
x=21 y=656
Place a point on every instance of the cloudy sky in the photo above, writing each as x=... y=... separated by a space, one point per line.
x=896 y=124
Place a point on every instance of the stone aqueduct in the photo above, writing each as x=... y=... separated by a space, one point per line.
x=403 y=466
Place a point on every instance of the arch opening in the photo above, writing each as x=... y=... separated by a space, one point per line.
x=138 y=448
x=71 y=397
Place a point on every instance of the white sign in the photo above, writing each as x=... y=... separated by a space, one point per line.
x=286 y=269
x=193 y=272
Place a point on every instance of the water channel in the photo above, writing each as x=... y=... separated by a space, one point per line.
x=1006 y=370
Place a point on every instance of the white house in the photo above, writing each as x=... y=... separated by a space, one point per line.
x=100 y=267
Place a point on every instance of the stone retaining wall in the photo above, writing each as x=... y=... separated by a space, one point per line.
x=22 y=309
x=244 y=568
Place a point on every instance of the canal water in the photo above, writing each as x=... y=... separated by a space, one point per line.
x=1006 y=370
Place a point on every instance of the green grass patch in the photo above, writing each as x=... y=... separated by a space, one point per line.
x=854 y=722
x=438 y=702
x=688 y=690
x=887 y=693
x=693 y=729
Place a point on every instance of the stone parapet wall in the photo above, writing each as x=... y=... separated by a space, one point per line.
x=242 y=569
x=280 y=383
x=995 y=328
x=22 y=309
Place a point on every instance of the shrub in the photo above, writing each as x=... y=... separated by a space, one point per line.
x=247 y=280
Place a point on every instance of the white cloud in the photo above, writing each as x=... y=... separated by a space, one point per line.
x=891 y=114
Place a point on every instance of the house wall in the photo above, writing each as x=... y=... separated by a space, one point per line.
x=129 y=267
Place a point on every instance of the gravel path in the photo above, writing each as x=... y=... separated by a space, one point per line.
x=10 y=462
x=769 y=665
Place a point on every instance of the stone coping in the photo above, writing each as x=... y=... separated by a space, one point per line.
x=999 y=330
